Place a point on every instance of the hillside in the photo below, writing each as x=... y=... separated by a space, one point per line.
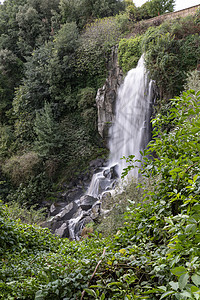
x=54 y=56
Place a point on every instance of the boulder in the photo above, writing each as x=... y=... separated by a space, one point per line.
x=86 y=202
x=112 y=172
x=56 y=208
x=63 y=230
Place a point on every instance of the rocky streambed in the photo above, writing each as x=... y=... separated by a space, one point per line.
x=76 y=209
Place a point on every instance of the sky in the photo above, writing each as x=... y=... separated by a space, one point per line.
x=180 y=4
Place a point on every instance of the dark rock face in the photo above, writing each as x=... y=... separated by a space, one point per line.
x=73 y=217
x=111 y=173
x=86 y=202
x=106 y=96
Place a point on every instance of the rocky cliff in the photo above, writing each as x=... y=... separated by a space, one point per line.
x=106 y=96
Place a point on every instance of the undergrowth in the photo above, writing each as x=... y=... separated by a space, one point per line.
x=154 y=255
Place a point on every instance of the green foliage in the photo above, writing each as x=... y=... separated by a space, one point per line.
x=154 y=255
x=15 y=211
x=159 y=7
x=167 y=47
x=86 y=104
x=31 y=193
x=149 y=9
x=11 y=70
x=85 y=11
x=48 y=137
x=175 y=171
x=94 y=50
x=22 y=168
x=193 y=81
x=6 y=140
x=129 y=53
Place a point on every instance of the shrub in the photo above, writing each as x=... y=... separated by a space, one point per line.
x=21 y=168
x=168 y=58
x=129 y=53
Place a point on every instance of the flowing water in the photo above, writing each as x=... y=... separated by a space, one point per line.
x=130 y=132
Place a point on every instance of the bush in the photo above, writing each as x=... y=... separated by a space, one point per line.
x=32 y=192
x=21 y=168
x=129 y=53
x=169 y=58
x=93 y=52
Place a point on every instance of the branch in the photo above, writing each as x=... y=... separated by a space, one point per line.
x=83 y=293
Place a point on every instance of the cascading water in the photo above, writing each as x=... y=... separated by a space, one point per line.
x=131 y=130
x=129 y=134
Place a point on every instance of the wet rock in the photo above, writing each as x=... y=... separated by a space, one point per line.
x=86 y=202
x=67 y=212
x=111 y=173
x=81 y=224
x=95 y=211
x=63 y=230
x=56 y=208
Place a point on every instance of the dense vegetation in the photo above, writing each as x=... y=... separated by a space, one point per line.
x=155 y=255
x=53 y=58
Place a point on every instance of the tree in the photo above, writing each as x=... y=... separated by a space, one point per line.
x=11 y=71
x=48 y=138
x=85 y=11
x=159 y=7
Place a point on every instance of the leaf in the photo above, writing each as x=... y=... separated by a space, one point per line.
x=91 y=292
x=196 y=208
x=174 y=285
x=102 y=297
x=183 y=279
x=166 y=294
x=39 y=295
x=191 y=228
x=196 y=279
x=115 y=283
x=186 y=294
x=178 y=271
x=194 y=289
x=162 y=288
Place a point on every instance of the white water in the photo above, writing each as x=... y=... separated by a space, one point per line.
x=131 y=131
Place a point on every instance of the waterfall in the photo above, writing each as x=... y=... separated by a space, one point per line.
x=130 y=132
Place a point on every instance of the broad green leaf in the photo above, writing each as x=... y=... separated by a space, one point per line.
x=196 y=279
x=196 y=208
x=39 y=295
x=162 y=288
x=186 y=294
x=179 y=271
x=194 y=289
x=166 y=294
x=183 y=279
x=91 y=292
x=102 y=297
x=115 y=283
x=174 y=285
x=191 y=228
